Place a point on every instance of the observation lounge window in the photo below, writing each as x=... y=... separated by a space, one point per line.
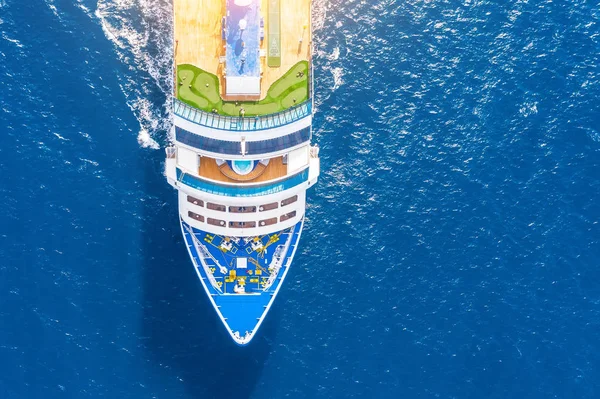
x=216 y=207
x=195 y=201
x=242 y=225
x=268 y=207
x=290 y=200
x=206 y=143
x=268 y=222
x=279 y=143
x=287 y=216
x=242 y=209
x=216 y=222
x=195 y=216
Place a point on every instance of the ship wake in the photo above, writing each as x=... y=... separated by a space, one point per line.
x=141 y=31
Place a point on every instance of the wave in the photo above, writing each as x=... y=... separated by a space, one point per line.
x=141 y=31
x=323 y=39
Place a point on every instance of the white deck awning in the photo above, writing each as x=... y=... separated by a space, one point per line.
x=243 y=86
x=242 y=263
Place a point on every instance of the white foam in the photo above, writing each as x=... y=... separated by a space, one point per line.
x=2 y=5
x=333 y=63
x=14 y=41
x=319 y=14
x=338 y=80
x=52 y=7
x=146 y=141
x=142 y=34
x=82 y=7
x=335 y=55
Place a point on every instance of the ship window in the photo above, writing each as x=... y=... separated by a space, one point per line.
x=195 y=201
x=242 y=209
x=290 y=200
x=267 y=222
x=206 y=143
x=278 y=144
x=195 y=216
x=234 y=147
x=216 y=207
x=268 y=207
x=216 y=222
x=287 y=216
x=242 y=225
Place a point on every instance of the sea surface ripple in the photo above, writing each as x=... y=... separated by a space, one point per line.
x=451 y=245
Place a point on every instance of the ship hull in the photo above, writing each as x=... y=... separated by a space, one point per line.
x=241 y=314
x=241 y=158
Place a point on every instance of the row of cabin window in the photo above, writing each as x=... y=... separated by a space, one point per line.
x=241 y=225
x=242 y=209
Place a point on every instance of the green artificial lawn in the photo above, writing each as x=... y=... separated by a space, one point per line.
x=193 y=90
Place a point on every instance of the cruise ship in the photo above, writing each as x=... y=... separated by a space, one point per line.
x=242 y=159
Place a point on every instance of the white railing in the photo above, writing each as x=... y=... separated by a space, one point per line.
x=314 y=152
x=200 y=252
x=207 y=255
x=237 y=123
x=243 y=340
x=171 y=152
x=277 y=261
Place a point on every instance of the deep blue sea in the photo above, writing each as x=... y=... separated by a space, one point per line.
x=452 y=244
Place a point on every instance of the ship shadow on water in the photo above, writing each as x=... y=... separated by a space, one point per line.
x=180 y=328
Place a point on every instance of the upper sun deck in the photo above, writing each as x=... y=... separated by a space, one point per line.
x=242 y=57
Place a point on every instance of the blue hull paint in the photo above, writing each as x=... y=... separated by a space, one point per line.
x=242 y=314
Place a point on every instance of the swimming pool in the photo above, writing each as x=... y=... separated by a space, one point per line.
x=243 y=39
x=242 y=167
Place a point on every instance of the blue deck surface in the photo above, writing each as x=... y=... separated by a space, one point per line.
x=242 y=55
x=241 y=312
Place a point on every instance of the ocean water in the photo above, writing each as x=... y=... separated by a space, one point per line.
x=451 y=246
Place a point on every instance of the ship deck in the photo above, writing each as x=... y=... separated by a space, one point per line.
x=256 y=254
x=199 y=37
x=198 y=32
x=209 y=169
x=241 y=270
